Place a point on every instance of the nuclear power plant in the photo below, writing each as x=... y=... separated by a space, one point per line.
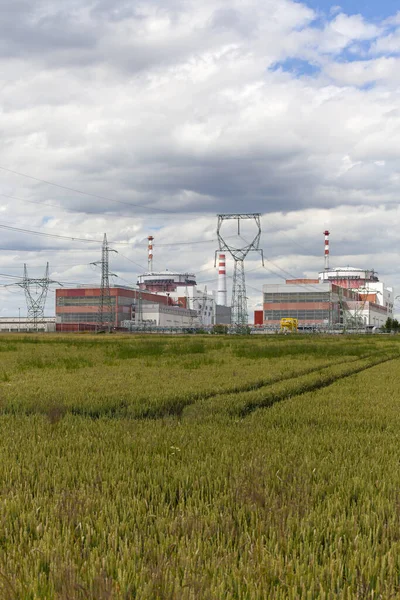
x=342 y=298
x=163 y=300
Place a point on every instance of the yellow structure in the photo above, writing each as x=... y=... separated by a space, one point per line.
x=288 y=324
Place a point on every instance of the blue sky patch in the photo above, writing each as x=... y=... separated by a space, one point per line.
x=370 y=9
x=369 y=85
x=296 y=66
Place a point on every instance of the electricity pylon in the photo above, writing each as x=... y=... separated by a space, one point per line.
x=35 y=294
x=239 y=298
x=105 y=313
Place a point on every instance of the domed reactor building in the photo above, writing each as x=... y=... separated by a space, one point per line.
x=343 y=297
x=182 y=289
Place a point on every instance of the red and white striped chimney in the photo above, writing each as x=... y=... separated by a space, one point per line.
x=221 y=296
x=326 y=234
x=150 y=255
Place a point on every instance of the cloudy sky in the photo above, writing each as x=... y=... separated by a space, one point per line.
x=152 y=117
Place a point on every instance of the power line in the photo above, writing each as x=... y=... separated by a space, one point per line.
x=50 y=235
x=132 y=261
x=77 y=191
x=90 y=240
x=74 y=211
x=186 y=243
x=31 y=201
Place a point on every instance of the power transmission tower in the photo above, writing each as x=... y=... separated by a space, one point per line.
x=239 y=253
x=35 y=294
x=105 y=313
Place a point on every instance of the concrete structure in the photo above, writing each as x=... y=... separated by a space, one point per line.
x=346 y=297
x=329 y=302
x=223 y=315
x=17 y=324
x=161 y=315
x=150 y=253
x=311 y=304
x=222 y=297
x=166 y=281
x=376 y=301
x=77 y=308
x=326 y=251
x=258 y=318
x=199 y=301
x=181 y=288
x=209 y=312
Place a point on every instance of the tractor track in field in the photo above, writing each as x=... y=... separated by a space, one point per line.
x=212 y=402
x=242 y=404
x=180 y=404
x=175 y=406
x=330 y=380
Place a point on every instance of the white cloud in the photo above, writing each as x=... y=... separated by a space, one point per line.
x=353 y=27
x=175 y=106
x=387 y=44
x=362 y=72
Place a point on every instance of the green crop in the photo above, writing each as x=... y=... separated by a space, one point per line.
x=136 y=467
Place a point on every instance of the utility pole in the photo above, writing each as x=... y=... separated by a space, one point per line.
x=35 y=294
x=239 y=253
x=105 y=314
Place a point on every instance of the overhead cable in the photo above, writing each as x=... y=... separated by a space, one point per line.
x=77 y=191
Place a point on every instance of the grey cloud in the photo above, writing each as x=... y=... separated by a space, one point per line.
x=26 y=30
x=188 y=120
x=231 y=19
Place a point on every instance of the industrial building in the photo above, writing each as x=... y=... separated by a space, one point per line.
x=77 y=308
x=161 y=299
x=164 y=316
x=24 y=325
x=344 y=297
x=209 y=308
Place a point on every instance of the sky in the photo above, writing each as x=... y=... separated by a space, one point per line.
x=136 y=118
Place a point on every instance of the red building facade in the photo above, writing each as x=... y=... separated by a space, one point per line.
x=77 y=308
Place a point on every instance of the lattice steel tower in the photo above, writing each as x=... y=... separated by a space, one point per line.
x=239 y=298
x=105 y=313
x=36 y=294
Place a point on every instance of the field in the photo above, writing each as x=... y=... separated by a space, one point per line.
x=204 y=467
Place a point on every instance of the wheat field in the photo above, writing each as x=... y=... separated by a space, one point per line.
x=205 y=467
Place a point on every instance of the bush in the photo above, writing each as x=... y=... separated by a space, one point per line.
x=220 y=329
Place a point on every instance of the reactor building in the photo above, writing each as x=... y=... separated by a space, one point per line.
x=161 y=299
x=343 y=297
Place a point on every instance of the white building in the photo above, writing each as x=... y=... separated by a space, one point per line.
x=199 y=301
x=17 y=324
x=376 y=301
x=161 y=315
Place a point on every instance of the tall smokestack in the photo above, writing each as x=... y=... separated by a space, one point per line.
x=221 y=296
x=326 y=234
x=150 y=255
